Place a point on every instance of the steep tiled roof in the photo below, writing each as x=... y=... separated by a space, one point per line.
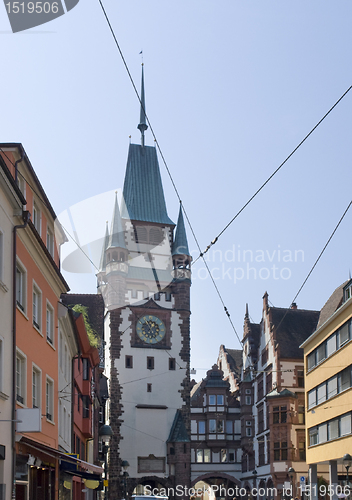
x=333 y=303
x=117 y=235
x=178 y=432
x=293 y=327
x=234 y=358
x=95 y=305
x=284 y=393
x=143 y=195
x=180 y=245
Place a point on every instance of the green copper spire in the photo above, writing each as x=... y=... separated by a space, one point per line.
x=180 y=245
x=117 y=236
x=142 y=119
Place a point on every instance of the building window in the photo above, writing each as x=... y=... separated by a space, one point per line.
x=86 y=404
x=157 y=296
x=150 y=363
x=49 y=409
x=331 y=387
x=168 y=296
x=36 y=386
x=20 y=378
x=330 y=430
x=172 y=364
x=269 y=382
x=37 y=307
x=248 y=431
x=260 y=419
x=280 y=450
x=50 y=324
x=128 y=361
x=50 y=241
x=300 y=378
x=248 y=400
x=201 y=427
x=301 y=414
x=36 y=217
x=212 y=400
x=21 y=282
x=302 y=450
x=149 y=387
x=261 y=453
x=279 y=414
x=212 y=426
x=337 y=340
x=220 y=399
x=86 y=368
x=260 y=388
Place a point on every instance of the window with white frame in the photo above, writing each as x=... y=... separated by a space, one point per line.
x=50 y=241
x=37 y=307
x=21 y=282
x=49 y=406
x=20 y=378
x=50 y=323
x=36 y=386
x=36 y=217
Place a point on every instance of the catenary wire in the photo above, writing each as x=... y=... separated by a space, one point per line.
x=272 y=175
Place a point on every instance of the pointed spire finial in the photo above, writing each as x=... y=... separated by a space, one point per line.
x=142 y=119
x=247 y=315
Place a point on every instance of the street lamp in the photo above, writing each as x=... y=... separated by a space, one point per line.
x=291 y=472
x=125 y=475
x=347 y=462
x=105 y=433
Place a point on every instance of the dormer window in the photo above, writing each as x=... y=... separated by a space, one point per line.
x=348 y=292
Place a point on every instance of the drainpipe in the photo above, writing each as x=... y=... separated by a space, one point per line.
x=25 y=216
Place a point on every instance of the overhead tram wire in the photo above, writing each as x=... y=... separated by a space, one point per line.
x=165 y=163
x=271 y=176
x=316 y=262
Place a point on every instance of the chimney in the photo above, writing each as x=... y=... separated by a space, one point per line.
x=293 y=306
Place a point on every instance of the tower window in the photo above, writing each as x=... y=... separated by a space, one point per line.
x=172 y=364
x=129 y=361
x=155 y=236
x=150 y=363
x=149 y=387
x=168 y=296
x=141 y=235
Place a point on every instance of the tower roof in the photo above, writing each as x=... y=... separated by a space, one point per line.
x=117 y=236
x=142 y=118
x=143 y=195
x=102 y=265
x=180 y=245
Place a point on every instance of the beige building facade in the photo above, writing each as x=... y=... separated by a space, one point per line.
x=328 y=390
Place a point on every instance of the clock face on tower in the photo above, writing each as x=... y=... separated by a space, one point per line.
x=150 y=329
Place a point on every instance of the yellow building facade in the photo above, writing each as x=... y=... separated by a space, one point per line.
x=328 y=390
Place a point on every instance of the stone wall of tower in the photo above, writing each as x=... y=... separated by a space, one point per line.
x=181 y=289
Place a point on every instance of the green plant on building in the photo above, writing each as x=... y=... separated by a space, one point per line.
x=92 y=334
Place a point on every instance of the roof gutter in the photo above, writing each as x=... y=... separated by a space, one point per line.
x=25 y=217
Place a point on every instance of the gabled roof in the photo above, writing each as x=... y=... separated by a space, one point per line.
x=331 y=305
x=234 y=358
x=293 y=327
x=95 y=304
x=143 y=195
x=180 y=244
x=178 y=432
x=284 y=393
x=117 y=235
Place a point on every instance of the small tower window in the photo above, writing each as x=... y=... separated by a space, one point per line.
x=172 y=364
x=150 y=363
x=141 y=234
x=114 y=256
x=168 y=296
x=129 y=361
x=155 y=236
x=149 y=387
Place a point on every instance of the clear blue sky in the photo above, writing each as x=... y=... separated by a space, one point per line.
x=231 y=88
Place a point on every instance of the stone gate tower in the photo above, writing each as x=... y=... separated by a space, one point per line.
x=145 y=279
